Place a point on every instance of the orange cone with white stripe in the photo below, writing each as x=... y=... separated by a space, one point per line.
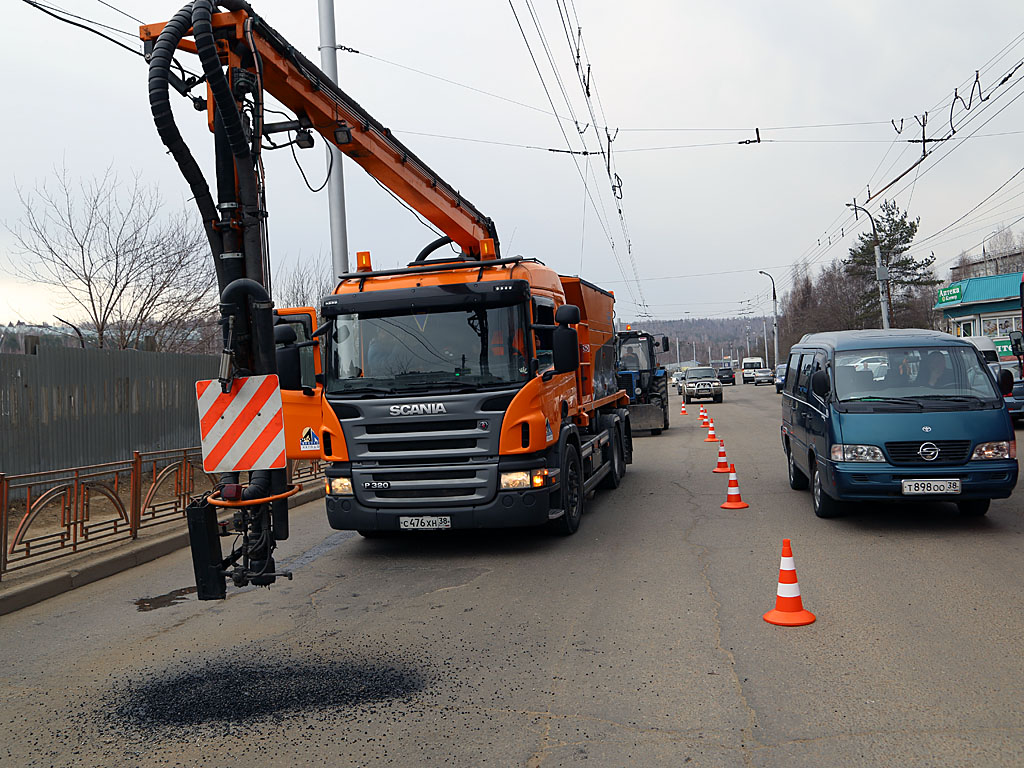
x=733 y=500
x=682 y=409
x=703 y=417
x=711 y=432
x=789 y=608
x=723 y=462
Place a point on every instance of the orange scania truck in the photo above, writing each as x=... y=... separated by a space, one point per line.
x=466 y=390
x=463 y=392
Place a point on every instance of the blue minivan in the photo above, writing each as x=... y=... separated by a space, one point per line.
x=896 y=415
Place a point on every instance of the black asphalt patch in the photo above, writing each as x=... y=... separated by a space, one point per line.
x=226 y=690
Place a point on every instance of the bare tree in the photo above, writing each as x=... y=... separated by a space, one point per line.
x=129 y=268
x=305 y=284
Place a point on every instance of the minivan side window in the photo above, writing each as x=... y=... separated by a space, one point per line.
x=792 y=372
x=803 y=384
x=817 y=365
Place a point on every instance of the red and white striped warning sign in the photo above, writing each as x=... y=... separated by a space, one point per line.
x=243 y=429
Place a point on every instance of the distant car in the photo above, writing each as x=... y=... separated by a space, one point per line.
x=1015 y=400
x=701 y=382
x=727 y=376
x=780 y=377
x=763 y=376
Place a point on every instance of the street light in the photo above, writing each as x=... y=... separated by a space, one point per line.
x=881 y=274
x=775 y=316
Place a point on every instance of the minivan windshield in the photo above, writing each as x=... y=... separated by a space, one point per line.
x=945 y=378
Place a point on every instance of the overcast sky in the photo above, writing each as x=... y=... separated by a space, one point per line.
x=697 y=68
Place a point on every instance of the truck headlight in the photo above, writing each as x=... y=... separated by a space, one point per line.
x=340 y=486
x=1001 y=449
x=514 y=480
x=857 y=453
x=535 y=478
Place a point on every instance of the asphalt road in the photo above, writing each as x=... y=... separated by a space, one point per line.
x=638 y=641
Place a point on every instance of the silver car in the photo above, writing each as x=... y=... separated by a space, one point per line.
x=701 y=382
x=764 y=376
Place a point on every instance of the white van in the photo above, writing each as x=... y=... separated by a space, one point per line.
x=986 y=346
x=749 y=365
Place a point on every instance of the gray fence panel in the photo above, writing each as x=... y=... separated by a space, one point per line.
x=71 y=407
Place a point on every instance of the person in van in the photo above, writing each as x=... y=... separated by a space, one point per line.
x=929 y=424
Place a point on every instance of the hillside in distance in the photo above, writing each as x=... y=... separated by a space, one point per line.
x=726 y=337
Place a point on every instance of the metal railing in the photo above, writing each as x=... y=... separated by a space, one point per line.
x=67 y=512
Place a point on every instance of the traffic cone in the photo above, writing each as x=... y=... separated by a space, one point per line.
x=703 y=417
x=682 y=409
x=789 y=608
x=733 y=500
x=723 y=462
x=711 y=432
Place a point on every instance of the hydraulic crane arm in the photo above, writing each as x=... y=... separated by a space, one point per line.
x=242 y=59
x=320 y=104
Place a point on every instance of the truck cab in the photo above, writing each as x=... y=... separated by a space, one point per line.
x=467 y=394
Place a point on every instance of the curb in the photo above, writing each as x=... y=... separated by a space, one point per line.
x=98 y=568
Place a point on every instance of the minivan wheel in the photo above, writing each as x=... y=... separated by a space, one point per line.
x=797 y=479
x=973 y=507
x=824 y=505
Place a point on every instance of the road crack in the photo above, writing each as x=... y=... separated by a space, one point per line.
x=749 y=737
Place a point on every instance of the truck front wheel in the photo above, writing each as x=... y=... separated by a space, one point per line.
x=570 y=495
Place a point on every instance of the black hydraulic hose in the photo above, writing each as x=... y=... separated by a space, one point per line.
x=163 y=117
x=433 y=246
x=234 y=131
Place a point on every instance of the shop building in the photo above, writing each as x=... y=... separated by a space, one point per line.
x=983 y=306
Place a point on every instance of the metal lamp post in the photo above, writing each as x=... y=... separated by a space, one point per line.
x=775 y=317
x=881 y=273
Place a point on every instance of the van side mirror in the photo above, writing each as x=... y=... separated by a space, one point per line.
x=664 y=343
x=1017 y=343
x=1005 y=382
x=820 y=385
x=565 y=348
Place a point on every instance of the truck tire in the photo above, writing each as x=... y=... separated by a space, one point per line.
x=618 y=460
x=570 y=494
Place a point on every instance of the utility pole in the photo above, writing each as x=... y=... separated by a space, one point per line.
x=694 y=351
x=764 y=326
x=881 y=273
x=679 y=360
x=336 y=180
x=775 y=318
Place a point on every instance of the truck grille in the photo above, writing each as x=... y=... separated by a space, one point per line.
x=401 y=461
x=950 y=452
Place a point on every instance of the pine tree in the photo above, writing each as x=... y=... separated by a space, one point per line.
x=907 y=275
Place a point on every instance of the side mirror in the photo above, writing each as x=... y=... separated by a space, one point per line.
x=1005 y=382
x=289 y=366
x=567 y=314
x=820 y=385
x=566 y=347
x=284 y=334
x=664 y=343
x=1017 y=343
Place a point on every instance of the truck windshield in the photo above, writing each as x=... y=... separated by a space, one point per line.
x=633 y=355
x=430 y=351
x=939 y=377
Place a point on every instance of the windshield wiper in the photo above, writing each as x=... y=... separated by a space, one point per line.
x=954 y=398
x=366 y=390
x=880 y=399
